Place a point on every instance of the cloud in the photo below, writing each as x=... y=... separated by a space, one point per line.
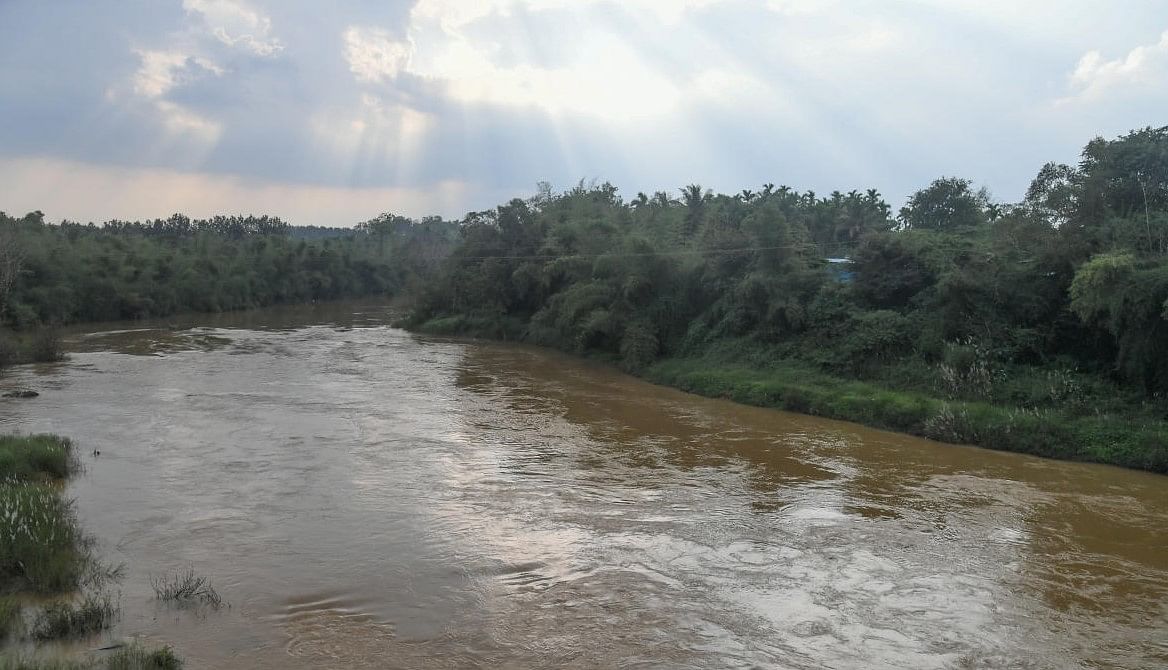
x=591 y=72
x=612 y=83
x=800 y=7
x=237 y=25
x=159 y=73
x=454 y=15
x=1144 y=68
x=373 y=55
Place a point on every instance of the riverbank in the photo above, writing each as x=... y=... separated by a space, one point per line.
x=52 y=587
x=1083 y=430
x=1137 y=443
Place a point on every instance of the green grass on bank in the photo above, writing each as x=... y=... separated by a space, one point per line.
x=1134 y=440
x=492 y=328
x=1049 y=412
x=35 y=457
x=43 y=549
x=132 y=657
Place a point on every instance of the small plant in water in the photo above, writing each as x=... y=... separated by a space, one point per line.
x=186 y=588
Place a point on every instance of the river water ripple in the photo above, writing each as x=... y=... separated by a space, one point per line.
x=367 y=498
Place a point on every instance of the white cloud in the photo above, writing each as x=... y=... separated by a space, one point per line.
x=1144 y=69
x=602 y=76
x=181 y=121
x=453 y=15
x=237 y=25
x=598 y=74
x=156 y=74
x=800 y=7
x=613 y=82
x=159 y=73
x=373 y=55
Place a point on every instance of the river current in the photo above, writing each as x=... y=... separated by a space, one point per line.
x=368 y=498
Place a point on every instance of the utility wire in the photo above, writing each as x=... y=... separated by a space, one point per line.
x=650 y=254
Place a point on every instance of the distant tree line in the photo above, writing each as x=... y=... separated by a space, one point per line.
x=53 y=274
x=1073 y=278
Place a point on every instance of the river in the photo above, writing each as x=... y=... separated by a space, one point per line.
x=367 y=498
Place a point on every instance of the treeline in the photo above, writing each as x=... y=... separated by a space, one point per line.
x=1056 y=306
x=70 y=272
x=1037 y=326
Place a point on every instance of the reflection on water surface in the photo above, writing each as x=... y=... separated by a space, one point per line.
x=368 y=498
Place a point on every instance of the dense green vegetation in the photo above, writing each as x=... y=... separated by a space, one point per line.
x=1039 y=327
x=58 y=274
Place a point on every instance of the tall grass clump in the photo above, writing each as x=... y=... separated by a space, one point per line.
x=42 y=548
x=69 y=620
x=135 y=657
x=9 y=616
x=186 y=588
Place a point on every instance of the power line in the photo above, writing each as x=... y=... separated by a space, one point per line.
x=651 y=254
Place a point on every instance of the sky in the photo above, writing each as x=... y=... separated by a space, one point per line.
x=331 y=113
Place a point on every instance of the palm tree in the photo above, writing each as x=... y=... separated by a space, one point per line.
x=695 y=203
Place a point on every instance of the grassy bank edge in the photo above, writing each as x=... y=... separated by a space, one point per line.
x=46 y=553
x=1136 y=443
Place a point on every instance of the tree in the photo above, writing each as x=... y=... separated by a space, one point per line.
x=1127 y=298
x=948 y=203
x=696 y=200
x=891 y=269
x=1053 y=193
x=11 y=259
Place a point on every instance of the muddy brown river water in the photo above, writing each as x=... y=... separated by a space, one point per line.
x=368 y=498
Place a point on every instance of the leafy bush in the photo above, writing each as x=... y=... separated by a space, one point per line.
x=639 y=346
